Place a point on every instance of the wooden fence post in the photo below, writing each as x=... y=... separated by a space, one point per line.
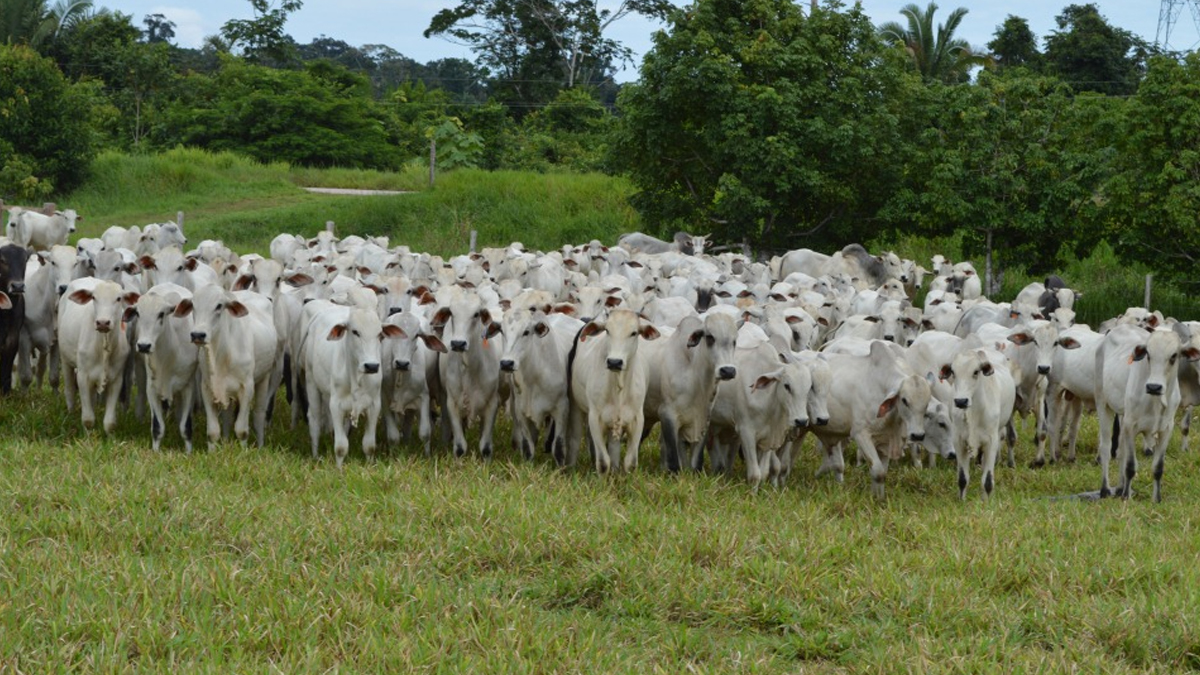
x=1147 y=301
x=330 y=227
x=474 y=239
x=432 y=160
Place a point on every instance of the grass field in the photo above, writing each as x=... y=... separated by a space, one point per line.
x=117 y=558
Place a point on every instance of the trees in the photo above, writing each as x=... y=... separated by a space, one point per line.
x=46 y=140
x=34 y=23
x=537 y=46
x=936 y=54
x=765 y=125
x=1092 y=55
x=1155 y=193
x=1015 y=46
x=158 y=28
x=262 y=39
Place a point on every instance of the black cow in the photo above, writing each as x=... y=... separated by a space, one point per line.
x=12 y=308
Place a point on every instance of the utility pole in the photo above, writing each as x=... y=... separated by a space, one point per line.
x=1167 y=38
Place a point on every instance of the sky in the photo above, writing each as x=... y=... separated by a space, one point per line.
x=400 y=23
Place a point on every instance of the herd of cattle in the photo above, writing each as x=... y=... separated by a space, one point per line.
x=730 y=357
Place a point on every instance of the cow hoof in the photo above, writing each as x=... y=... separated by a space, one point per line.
x=1105 y=493
x=486 y=451
x=460 y=451
x=1037 y=463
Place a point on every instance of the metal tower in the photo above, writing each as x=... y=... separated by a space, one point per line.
x=1168 y=16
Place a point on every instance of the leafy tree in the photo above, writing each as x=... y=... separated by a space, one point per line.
x=1155 y=194
x=35 y=23
x=1015 y=45
x=936 y=54
x=1092 y=55
x=262 y=39
x=322 y=116
x=764 y=124
x=47 y=132
x=1000 y=161
x=536 y=46
x=570 y=132
x=158 y=28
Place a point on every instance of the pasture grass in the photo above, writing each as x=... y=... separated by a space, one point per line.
x=233 y=559
x=245 y=204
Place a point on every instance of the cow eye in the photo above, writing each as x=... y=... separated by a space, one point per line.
x=904 y=401
x=525 y=333
x=788 y=388
x=633 y=333
x=162 y=315
x=942 y=425
x=354 y=333
x=1173 y=357
x=220 y=307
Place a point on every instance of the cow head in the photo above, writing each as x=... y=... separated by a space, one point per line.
x=623 y=328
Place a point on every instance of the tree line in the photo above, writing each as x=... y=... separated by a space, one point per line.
x=773 y=124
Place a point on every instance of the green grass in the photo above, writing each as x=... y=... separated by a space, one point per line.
x=114 y=557
x=245 y=204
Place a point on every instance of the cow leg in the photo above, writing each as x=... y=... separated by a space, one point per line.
x=489 y=426
x=111 y=406
x=866 y=445
x=264 y=396
x=668 y=442
x=1184 y=427
x=1010 y=438
x=833 y=461
x=25 y=359
x=1160 y=457
x=1107 y=421
x=750 y=452
x=964 y=471
x=185 y=416
x=314 y=417
x=456 y=427
x=86 y=393
x=370 y=430
x=634 y=444
x=600 y=448
x=69 y=382
x=53 y=366
x=990 y=453
x=1126 y=459
x=572 y=434
x=341 y=440
x=424 y=424
x=157 y=420
x=245 y=399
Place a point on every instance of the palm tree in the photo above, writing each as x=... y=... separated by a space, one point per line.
x=33 y=22
x=937 y=55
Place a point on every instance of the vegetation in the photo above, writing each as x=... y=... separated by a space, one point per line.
x=936 y=54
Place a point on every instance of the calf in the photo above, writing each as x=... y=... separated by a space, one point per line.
x=984 y=392
x=536 y=350
x=93 y=346
x=164 y=343
x=236 y=336
x=470 y=371
x=607 y=383
x=42 y=291
x=344 y=375
x=684 y=372
x=688 y=244
x=409 y=364
x=1137 y=392
x=38 y=231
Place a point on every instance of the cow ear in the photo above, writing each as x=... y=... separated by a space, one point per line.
x=191 y=264
x=183 y=308
x=926 y=324
x=823 y=321
x=441 y=317
x=763 y=381
x=1068 y=343
x=563 y=308
x=298 y=279
x=541 y=329
x=337 y=332
x=887 y=405
x=873 y=319
x=592 y=328
x=80 y=297
x=236 y=308
x=649 y=332
x=987 y=369
x=130 y=313
x=427 y=299
x=432 y=342
x=1139 y=353
x=131 y=298
x=493 y=329
x=5 y=301
x=132 y=269
x=393 y=331
x=1020 y=338
x=946 y=372
x=695 y=338
x=612 y=301
x=1191 y=353
x=243 y=282
x=485 y=317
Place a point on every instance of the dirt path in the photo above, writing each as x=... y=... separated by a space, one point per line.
x=347 y=191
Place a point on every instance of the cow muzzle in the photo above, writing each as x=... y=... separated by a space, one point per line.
x=727 y=372
x=458 y=345
x=822 y=421
x=1154 y=389
x=17 y=287
x=615 y=365
x=962 y=403
x=103 y=325
x=370 y=368
x=508 y=366
x=1043 y=370
x=800 y=422
x=917 y=436
x=199 y=337
x=402 y=366
x=143 y=347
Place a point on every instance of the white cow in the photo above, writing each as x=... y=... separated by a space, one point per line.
x=685 y=369
x=344 y=375
x=237 y=342
x=536 y=350
x=1137 y=393
x=43 y=287
x=470 y=371
x=164 y=342
x=984 y=392
x=38 y=231
x=409 y=365
x=93 y=345
x=607 y=386
x=1071 y=385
